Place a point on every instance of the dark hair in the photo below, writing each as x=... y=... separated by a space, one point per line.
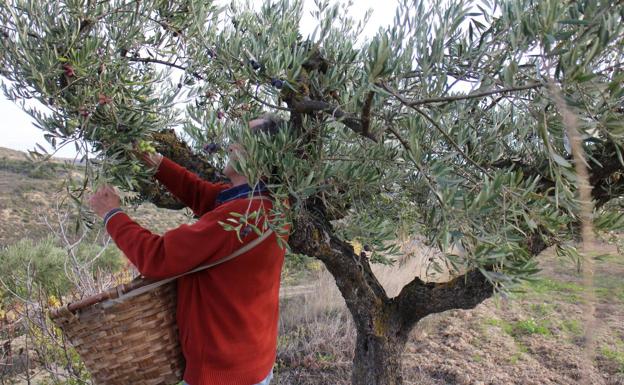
x=271 y=124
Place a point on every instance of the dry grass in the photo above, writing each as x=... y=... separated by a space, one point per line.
x=316 y=328
x=317 y=335
x=322 y=299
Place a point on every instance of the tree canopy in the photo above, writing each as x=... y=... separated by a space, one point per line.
x=442 y=121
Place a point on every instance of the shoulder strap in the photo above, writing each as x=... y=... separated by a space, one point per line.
x=151 y=286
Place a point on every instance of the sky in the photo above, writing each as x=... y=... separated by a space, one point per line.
x=18 y=132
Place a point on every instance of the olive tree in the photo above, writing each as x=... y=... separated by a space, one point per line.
x=443 y=124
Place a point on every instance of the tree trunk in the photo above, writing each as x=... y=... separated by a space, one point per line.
x=377 y=360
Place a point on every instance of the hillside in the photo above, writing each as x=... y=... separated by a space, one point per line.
x=31 y=192
x=27 y=195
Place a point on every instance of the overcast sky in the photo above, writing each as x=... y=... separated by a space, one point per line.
x=18 y=132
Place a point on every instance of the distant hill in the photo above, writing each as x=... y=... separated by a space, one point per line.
x=11 y=154
x=30 y=193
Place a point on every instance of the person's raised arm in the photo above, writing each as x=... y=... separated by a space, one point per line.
x=178 y=250
x=199 y=195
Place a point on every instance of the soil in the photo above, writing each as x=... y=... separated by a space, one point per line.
x=534 y=337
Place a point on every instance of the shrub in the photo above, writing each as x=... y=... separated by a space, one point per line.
x=45 y=170
x=41 y=263
x=28 y=266
x=34 y=275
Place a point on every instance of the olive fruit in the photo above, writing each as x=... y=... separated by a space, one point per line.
x=145 y=146
x=211 y=147
x=69 y=70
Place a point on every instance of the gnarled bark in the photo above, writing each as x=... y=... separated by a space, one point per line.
x=383 y=324
x=377 y=359
x=168 y=144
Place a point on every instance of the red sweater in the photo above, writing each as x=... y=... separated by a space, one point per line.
x=228 y=314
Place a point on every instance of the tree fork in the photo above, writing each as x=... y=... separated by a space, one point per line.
x=314 y=237
x=379 y=341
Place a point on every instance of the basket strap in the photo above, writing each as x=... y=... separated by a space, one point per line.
x=151 y=286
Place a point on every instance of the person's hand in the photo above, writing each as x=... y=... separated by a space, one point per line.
x=150 y=159
x=104 y=200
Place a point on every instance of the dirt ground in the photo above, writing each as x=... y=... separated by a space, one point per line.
x=532 y=337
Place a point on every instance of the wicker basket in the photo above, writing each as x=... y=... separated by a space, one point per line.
x=128 y=334
x=134 y=341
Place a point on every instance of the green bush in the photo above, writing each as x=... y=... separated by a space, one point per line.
x=111 y=259
x=46 y=170
x=44 y=264
x=40 y=261
x=531 y=326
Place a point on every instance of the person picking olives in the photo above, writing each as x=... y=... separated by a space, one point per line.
x=227 y=315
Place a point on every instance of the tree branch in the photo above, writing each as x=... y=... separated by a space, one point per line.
x=366 y=111
x=428 y=179
x=449 y=99
x=170 y=145
x=419 y=299
x=309 y=106
x=257 y=99
x=404 y=142
x=163 y=62
x=313 y=236
x=437 y=126
x=604 y=173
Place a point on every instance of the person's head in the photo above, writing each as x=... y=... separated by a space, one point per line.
x=266 y=123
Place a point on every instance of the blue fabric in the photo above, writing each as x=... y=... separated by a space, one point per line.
x=109 y=214
x=241 y=191
x=266 y=381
